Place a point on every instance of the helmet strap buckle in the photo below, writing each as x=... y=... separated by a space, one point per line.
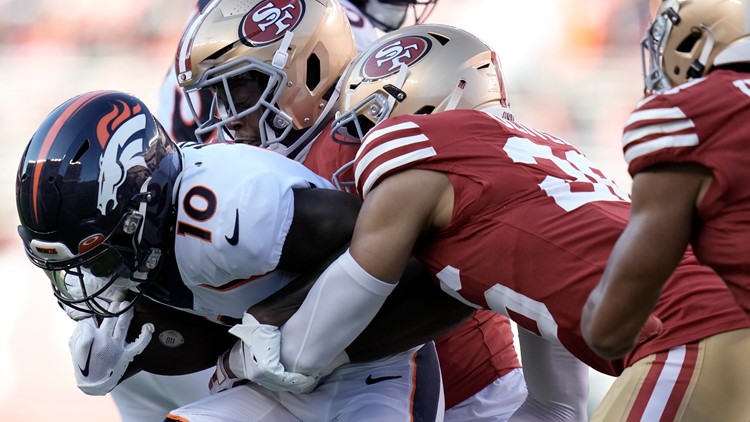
x=131 y=222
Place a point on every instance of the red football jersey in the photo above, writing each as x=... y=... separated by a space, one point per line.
x=533 y=225
x=706 y=121
x=473 y=355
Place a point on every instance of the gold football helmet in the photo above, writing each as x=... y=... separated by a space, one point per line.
x=687 y=38
x=420 y=69
x=297 y=48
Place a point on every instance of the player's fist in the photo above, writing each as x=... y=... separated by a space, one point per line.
x=652 y=328
x=257 y=357
x=223 y=379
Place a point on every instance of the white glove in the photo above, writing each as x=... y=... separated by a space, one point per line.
x=257 y=358
x=100 y=352
x=93 y=284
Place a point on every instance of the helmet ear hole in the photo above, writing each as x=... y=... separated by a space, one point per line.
x=689 y=42
x=428 y=109
x=443 y=40
x=313 y=72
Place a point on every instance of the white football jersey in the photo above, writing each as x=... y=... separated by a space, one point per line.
x=235 y=205
x=362 y=29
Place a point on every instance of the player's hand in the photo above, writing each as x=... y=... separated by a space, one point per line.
x=223 y=379
x=100 y=352
x=257 y=358
x=652 y=328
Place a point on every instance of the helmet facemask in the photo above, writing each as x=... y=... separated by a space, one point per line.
x=653 y=46
x=350 y=127
x=274 y=124
x=90 y=281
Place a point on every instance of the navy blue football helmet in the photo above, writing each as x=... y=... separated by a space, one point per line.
x=94 y=196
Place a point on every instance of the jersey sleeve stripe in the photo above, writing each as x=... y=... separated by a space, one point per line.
x=393 y=164
x=656 y=113
x=378 y=151
x=377 y=133
x=644 y=148
x=643 y=132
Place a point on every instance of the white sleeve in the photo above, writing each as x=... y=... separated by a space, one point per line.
x=364 y=32
x=557 y=382
x=341 y=303
x=248 y=230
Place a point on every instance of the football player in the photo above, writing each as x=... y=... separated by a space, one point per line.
x=125 y=206
x=684 y=145
x=150 y=396
x=511 y=219
x=480 y=369
x=142 y=214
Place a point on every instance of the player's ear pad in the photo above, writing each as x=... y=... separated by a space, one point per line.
x=182 y=343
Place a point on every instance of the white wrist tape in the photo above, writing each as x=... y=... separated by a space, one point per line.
x=343 y=301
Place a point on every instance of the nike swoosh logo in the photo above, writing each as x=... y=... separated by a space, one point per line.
x=236 y=233
x=370 y=380
x=85 y=369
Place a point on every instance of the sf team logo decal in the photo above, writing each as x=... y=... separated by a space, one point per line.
x=387 y=60
x=270 y=20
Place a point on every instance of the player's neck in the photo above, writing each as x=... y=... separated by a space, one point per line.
x=495 y=109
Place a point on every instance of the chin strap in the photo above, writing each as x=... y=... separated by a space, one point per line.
x=455 y=97
x=281 y=55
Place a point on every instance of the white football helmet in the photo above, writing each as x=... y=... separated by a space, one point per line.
x=297 y=48
x=420 y=69
x=687 y=38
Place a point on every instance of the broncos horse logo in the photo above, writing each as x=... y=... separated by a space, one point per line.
x=123 y=150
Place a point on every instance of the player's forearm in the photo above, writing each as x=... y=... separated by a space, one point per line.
x=619 y=306
x=277 y=308
x=340 y=305
x=280 y=306
x=420 y=309
x=607 y=328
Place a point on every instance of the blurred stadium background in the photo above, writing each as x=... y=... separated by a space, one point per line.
x=572 y=69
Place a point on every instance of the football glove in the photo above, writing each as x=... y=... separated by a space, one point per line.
x=100 y=352
x=257 y=358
